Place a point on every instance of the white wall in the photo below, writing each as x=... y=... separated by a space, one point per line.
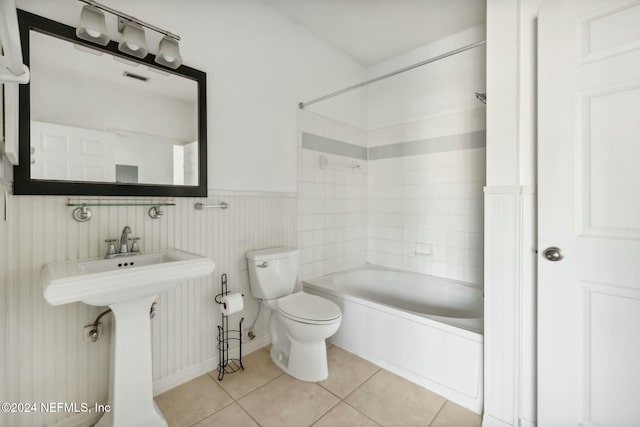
x=134 y=151
x=72 y=100
x=439 y=88
x=259 y=65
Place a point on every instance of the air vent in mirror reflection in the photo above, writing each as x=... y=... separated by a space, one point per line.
x=136 y=76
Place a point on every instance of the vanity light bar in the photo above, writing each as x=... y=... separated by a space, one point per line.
x=131 y=18
x=133 y=42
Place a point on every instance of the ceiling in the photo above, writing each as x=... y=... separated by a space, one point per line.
x=371 y=31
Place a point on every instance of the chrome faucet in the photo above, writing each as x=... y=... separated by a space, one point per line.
x=123 y=250
x=123 y=239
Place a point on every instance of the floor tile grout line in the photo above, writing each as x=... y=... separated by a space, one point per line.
x=328 y=410
x=258 y=388
x=246 y=412
x=326 y=389
x=236 y=401
x=252 y=390
x=220 y=385
x=270 y=381
x=358 y=410
x=435 y=417
x=356 y=387
x=362 y=383
x=219 y=409
x=233 y=400
x=212 y=414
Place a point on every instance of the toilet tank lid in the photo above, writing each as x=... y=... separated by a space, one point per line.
x=273 y=253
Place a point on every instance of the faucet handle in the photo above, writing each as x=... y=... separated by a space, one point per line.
x=134 y=245
x=112 y=246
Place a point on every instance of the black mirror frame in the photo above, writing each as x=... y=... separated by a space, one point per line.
x=22 y=182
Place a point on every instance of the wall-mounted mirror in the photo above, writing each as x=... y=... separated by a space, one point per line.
x=95 y=121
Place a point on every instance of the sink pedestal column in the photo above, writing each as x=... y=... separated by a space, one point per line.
x=131 y=385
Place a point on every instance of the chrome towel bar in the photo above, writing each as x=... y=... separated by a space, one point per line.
x=199 y=206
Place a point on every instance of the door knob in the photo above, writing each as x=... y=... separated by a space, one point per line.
x=553 y=254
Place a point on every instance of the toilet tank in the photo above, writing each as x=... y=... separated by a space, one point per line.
x=273 y=272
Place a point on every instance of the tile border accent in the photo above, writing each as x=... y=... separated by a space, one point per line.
x=461 y=141
x=439 y=144
x=86 y=419
x=323 y=144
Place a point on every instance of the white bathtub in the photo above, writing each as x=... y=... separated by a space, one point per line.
x=424 y=328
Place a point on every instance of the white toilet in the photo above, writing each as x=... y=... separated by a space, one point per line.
x=300 y=322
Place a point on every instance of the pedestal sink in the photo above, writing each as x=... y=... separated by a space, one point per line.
x=128 y=286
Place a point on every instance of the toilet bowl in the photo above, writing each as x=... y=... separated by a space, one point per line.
x=300 y=323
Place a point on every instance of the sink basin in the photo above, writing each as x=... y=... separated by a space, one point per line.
x=128 y=285
x=104 y=282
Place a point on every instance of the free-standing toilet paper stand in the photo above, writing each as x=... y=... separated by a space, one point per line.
x=227 y=336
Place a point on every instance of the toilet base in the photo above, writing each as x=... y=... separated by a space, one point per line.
x=306 y=362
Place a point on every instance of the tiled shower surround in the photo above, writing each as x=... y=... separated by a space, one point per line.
x=432 y=199
x=409 y=196
x=332 y=222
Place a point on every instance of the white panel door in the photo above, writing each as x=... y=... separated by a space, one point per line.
x=589 y=207
x=61 y=152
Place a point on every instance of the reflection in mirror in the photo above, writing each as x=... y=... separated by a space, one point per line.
x=97 y=117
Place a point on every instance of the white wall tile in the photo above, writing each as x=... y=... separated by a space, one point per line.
x=337 y=200
x=440 y=203
x=382 y=211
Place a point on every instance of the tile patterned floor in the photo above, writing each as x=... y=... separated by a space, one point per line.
x=356 y=394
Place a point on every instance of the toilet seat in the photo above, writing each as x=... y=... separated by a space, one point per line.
x=307 y=308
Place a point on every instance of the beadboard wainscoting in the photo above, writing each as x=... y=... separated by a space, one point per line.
x=48 y=360
x=4 y=296
x=509 y=306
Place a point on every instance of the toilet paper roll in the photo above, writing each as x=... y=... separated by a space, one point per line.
x=232 y=303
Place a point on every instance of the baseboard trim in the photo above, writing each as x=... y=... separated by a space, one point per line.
x=80 y=420
x=167 y=383
x=182 y=376
x=257 y=344
x=489 y=421
x=187 y=374
x=527 y=423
